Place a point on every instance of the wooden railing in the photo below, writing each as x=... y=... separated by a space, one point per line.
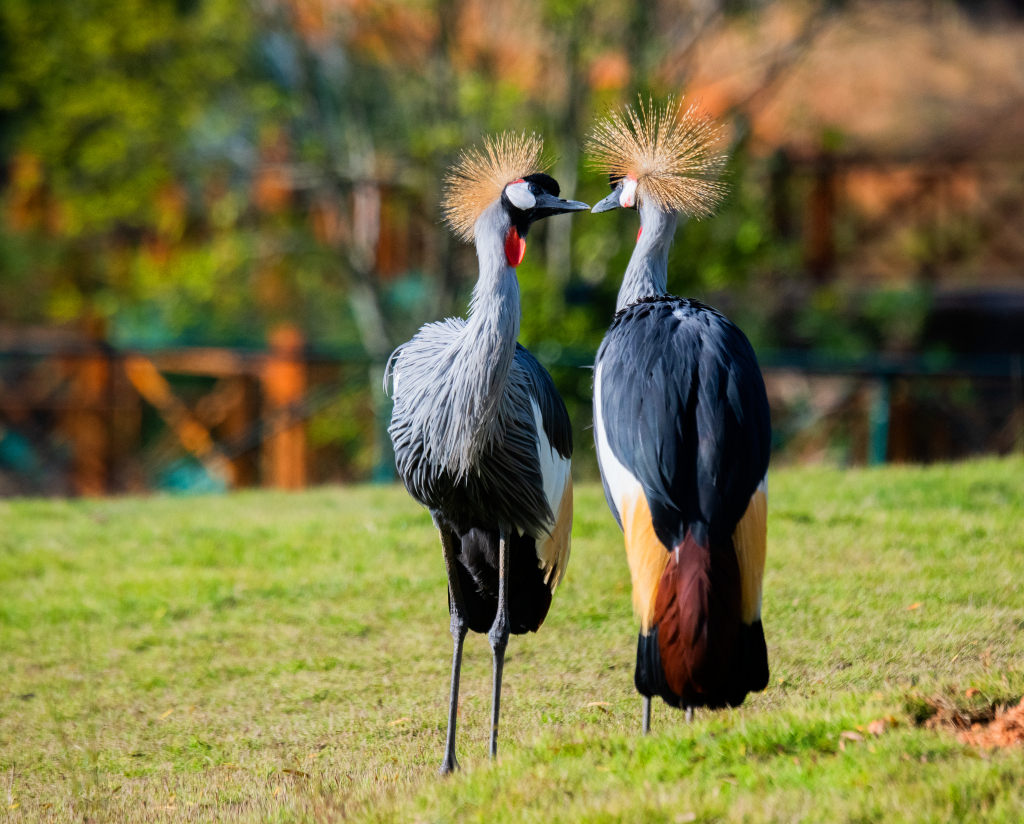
x=249 y=428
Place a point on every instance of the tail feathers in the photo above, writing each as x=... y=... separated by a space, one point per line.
x=529 y=597
x=700 y=653
x=755 y=656
x=650 y=675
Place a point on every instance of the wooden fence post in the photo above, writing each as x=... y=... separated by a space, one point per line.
x=901 y=422
x=126 y=472
x=237 y=425
x=819 y=232
x=284 y=389
x=87 y=420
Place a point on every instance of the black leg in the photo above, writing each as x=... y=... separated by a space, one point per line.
x=647 y=714
x=498 y=636
x=458 y=628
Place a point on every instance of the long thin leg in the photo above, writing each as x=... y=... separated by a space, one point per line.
x=458 y=629
x=647 y=714
x=689 y=715
x=498 y=636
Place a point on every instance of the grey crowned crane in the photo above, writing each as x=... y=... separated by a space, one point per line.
x=682 y=430
x=481 y=436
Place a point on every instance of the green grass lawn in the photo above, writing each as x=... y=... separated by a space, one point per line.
x=280 y=657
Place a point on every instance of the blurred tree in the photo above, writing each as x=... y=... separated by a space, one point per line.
x=98 y=99
x=199 y=171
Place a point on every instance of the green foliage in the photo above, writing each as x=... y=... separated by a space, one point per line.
x=104 y=93
x=137 y=133
x=107 y=105
x=346 y=424
x=147 y=121
x=857 y=322
x=285 y=657
x=231 y=287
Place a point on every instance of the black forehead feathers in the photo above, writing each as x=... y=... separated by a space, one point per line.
x=614 y=179
x=546 y=182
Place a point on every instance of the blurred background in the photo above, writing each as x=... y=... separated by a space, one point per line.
x=219 y=217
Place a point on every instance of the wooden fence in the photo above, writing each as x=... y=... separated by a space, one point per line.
x=87 y=398
x=81 y=406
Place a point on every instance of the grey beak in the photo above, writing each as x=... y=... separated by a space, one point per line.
x=610 y=202
x=551 y=205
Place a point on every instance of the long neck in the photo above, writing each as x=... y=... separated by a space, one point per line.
x=647 y=273
x=487 y=345
x=489 y=339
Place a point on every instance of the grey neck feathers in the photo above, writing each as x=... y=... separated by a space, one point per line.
x=647 y=273
x=483 y=355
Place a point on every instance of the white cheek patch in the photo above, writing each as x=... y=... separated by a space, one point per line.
x=628 y=196
x=520 y=195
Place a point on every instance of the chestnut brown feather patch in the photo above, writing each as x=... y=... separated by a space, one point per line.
x=670 y=152
x=698 y=616
x=479 y=177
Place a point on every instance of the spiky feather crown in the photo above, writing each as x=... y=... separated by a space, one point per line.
x=670 y=153
x=479 y=178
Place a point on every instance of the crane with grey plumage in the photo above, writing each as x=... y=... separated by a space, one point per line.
x=481 y=436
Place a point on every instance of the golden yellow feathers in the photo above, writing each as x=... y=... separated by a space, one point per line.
x=670 y=152
x=479 y=178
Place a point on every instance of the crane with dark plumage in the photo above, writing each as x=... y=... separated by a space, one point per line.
x=481 y=436
x=682 y=430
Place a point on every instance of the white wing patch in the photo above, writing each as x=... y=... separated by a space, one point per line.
x=646 y=555
x=623 y=485
x=553 y=547
x=554 y=469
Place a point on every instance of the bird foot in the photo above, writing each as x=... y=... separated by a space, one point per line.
x=448 y=766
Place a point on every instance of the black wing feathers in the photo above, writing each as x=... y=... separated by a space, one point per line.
x=685 y=410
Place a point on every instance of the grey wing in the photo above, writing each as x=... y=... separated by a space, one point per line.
x=418 y=358
x=413 y=373
x=509 y=483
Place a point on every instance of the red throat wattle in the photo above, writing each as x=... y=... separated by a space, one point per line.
x=515 y=248
x=639 y=232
